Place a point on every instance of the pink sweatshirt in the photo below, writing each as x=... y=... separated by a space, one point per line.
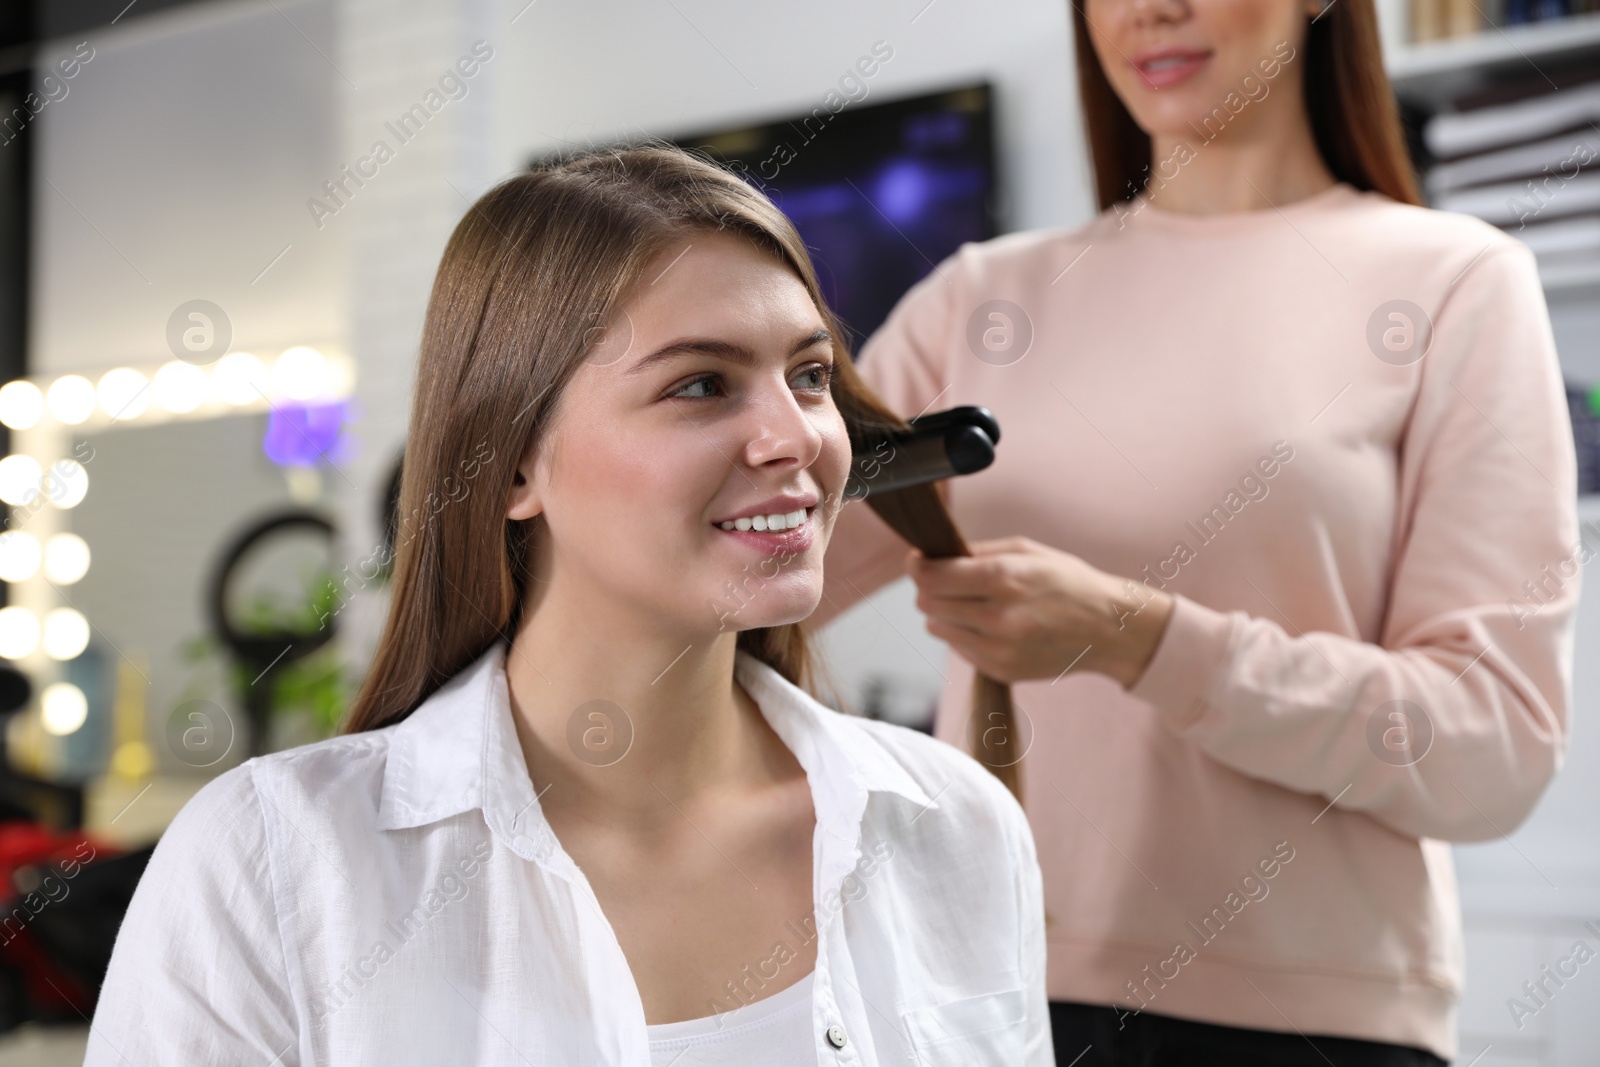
x=1254 y=833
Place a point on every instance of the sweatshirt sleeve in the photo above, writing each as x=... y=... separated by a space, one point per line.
x=1477 y=641
x=197 y=973
x=904 y=362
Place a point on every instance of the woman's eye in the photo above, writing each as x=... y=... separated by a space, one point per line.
x=822 y=373
x=818 y=378
x=703 y=380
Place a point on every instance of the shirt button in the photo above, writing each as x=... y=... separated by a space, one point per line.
x=836 y=1036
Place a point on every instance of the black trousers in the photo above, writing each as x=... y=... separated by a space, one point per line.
x=1095 y=1036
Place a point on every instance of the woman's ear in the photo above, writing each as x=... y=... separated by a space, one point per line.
x=524 y=502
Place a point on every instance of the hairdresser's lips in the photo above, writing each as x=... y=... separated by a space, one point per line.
x=1164 y=67
x=792 y=541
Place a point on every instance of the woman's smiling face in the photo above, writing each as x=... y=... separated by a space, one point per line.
x=1179 y=64
x=704 y=401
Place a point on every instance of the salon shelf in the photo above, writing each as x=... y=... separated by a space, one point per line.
x=1434 y=71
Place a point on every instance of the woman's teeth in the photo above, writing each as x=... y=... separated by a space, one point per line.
x=772 y=522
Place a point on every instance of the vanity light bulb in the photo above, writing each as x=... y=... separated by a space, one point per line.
x=179 y=387
x=66 y=634
x=239 y=378
x=19 y=556
x=123 y=393
x=19 y=632
x=66 y=558
x=19 y=479
x=21 y=404
x=62 y=708
x=341 y=376
x=66 y=483
x=300 y=373
x=70 y=399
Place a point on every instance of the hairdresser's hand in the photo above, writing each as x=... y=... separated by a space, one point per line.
x=1018 y=611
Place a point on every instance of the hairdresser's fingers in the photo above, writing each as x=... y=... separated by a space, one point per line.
x=1006 y=659
x=1030 y=634
x=1026 y=626
x=983 y=549
x=980 y=616
x=948 y=627
x=962 y=576
x=1000 y=660
x=987 y=655
x=1001 y=545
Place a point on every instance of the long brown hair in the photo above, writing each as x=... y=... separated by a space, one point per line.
x=1351 y=106
x=528 y=277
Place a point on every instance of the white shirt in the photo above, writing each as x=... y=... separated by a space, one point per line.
x=397 y=897
x=774 y=1031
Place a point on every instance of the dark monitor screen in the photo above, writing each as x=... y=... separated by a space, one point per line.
x=880 y=192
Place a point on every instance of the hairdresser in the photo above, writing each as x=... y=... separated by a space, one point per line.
x=1277 y=550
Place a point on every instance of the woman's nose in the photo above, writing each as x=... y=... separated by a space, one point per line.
x=779 y=429
x=1144 y=12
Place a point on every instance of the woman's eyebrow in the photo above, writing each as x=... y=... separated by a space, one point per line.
x=705 y=346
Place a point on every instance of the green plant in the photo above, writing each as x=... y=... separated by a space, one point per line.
x=318 y=684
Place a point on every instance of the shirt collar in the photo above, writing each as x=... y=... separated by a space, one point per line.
x=459 y=751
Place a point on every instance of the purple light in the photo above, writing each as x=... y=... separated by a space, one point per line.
x=835 y=199
x=300 y=435
x=902 y=191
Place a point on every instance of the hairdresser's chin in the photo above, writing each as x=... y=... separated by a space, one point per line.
x=1184 y=84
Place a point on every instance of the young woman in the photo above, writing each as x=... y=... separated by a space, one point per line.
x=1282 y=545
x=584 y=810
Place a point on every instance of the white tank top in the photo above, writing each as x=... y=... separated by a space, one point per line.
x=774 y=1031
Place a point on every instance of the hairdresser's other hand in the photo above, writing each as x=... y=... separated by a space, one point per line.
x=1018 y=611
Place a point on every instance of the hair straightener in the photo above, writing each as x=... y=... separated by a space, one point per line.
x=895 y=473
x=938 y=446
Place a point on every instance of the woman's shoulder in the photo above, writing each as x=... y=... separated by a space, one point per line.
x=1024 y=255
x=331 y=775
x=1427 y=231
x=333 y=765
x=1011 y=261
x=1392 y=249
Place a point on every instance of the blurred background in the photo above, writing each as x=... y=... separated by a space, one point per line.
x=219 y=222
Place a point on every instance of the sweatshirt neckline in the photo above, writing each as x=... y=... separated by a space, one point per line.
x=1141 y=209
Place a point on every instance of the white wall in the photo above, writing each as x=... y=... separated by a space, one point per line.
x=394 y=52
